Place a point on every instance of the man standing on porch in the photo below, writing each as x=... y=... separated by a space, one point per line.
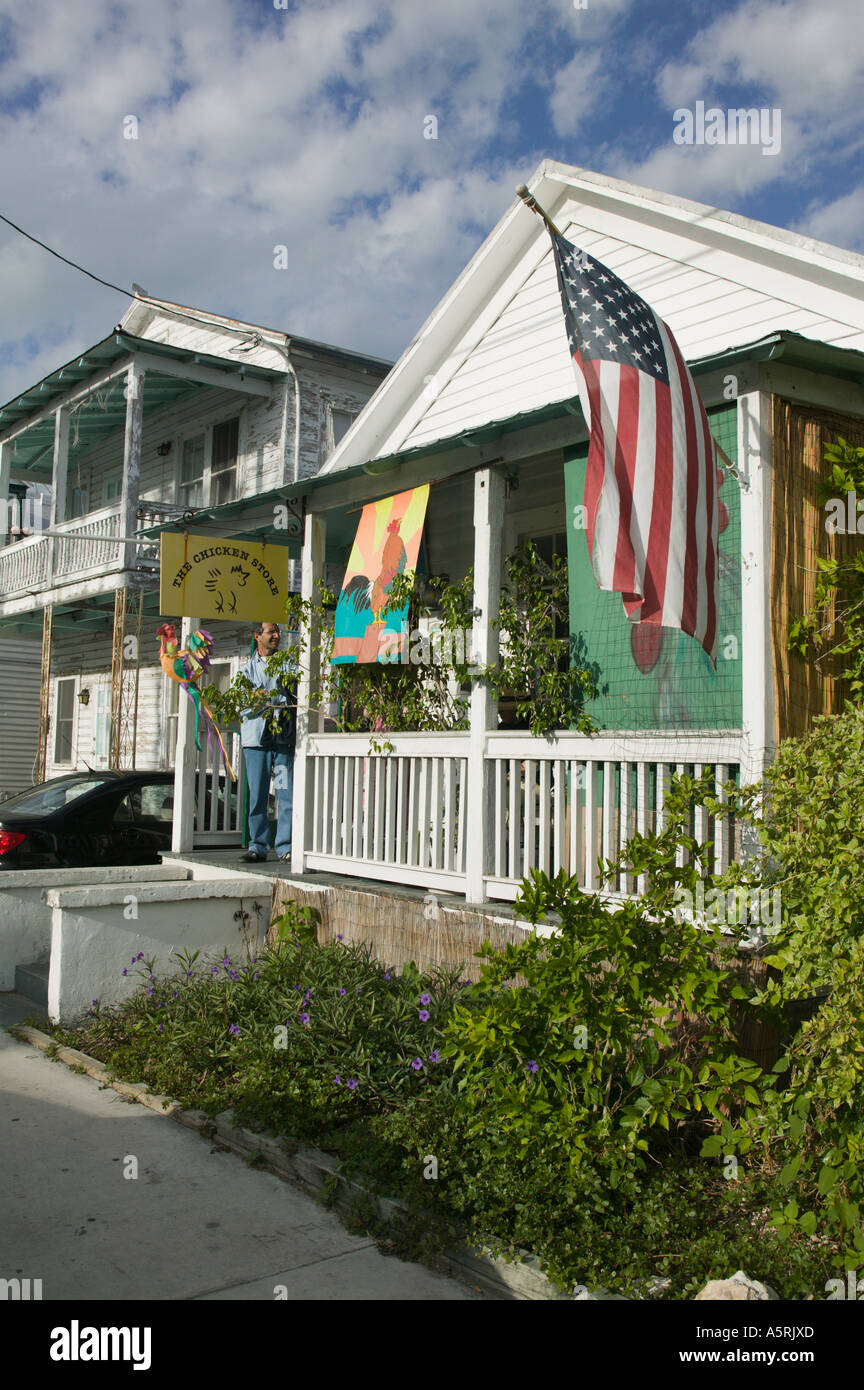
x=268 y=742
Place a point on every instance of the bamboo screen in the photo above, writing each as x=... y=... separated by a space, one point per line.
x=799 y=538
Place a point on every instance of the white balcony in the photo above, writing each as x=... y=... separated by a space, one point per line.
x=39 y=563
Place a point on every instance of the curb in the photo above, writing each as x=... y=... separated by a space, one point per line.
x=313 y=1171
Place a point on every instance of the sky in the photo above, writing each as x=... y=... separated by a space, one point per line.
x=180 y=143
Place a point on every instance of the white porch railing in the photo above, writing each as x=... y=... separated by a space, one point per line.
x=552 y=804
x=24 y=566
x=562 y=803
x=27 y=565
x=398 y=816
x=218 y=800
x=77 y=553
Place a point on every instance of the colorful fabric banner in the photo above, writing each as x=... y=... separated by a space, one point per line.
x=386 y=544
x=215 y=577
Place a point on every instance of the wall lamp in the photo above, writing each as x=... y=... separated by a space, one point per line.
x=84 y=696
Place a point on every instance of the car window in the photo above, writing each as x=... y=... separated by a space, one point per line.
x=51 y=796
x=126 y=810
x=157 y=801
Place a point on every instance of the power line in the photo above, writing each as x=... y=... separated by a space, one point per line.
x=129 y=294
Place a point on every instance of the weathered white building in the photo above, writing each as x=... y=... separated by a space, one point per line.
x=176 y=412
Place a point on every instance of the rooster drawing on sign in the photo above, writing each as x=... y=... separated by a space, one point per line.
x=363 y=592
x=186 y=667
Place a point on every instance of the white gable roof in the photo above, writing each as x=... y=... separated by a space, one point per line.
x=495 y=346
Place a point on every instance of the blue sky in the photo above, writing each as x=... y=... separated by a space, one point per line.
x=303 y=126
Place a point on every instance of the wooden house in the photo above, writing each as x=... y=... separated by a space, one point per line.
x=483 y=406
x=175 y=413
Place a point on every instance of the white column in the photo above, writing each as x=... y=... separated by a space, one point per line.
x=5 y=472
x=311 y=569
x=58 y=483
x=186 y=762
x=132 y=461
x=758 y=707
x=488 y=536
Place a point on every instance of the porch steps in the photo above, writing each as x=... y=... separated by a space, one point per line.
x=32 y=981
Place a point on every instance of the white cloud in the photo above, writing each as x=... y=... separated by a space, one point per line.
x=840 y=222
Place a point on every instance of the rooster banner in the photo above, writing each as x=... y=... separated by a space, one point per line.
x=214 y=577
x=386 y=544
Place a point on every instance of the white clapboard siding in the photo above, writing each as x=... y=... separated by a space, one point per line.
x=20 y=673
x=522 y=362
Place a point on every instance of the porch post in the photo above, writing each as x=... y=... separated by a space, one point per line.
x=186 y=762
x=131 y=461
x=5 y=472
x=311 y=569
x=488 y=532
x=58 y=483
x=758 y=704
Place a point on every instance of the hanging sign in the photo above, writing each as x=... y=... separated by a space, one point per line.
x=216 y=577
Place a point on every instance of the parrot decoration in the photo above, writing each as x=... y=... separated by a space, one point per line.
x=186 y=667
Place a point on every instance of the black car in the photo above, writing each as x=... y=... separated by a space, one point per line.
x=88 y=818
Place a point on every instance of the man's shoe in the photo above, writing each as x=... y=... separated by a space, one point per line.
x=253 y=857
x=286 y=857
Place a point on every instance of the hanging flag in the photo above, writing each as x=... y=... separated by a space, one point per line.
x=651 y=506
x=386 y=545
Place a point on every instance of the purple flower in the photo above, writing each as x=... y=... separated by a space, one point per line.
x=175 y=994
x=308 y=994
x=188 y=974
x=235 y=1030
x=359 y=990
x=417 y=1063
x=338 y=936
x=140 y=955
x=149 y=989
x=215 y=970
x=341 y=991
x=425 y=998
x=227 y=960
x=386 y=974
x=125 y=971
x=435 y=1056
x=338 y=1080
x=297 y=987
x=161 y=1027
x=423 y=1015
x=352 y=1085
x=532 y=1067
x=160 y=1006
x=233 y=974
x=95 y=1003
x=255 y=977
x=304 y=1018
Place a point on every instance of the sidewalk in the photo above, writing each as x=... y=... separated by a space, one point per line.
x=196 y=1224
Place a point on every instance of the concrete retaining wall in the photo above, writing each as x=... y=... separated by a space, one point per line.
x=25 y=917
x=95 y=932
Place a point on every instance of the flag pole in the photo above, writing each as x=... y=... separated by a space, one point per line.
x=531 y=202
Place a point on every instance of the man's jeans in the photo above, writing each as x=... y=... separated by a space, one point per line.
x=261 y=763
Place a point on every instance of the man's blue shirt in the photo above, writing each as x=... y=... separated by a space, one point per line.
x=254 y=730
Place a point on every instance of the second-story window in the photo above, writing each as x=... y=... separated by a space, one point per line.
x=208 y=476
x=192 y=472
x=223 y=466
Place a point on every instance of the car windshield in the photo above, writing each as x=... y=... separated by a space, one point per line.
x=51 y=796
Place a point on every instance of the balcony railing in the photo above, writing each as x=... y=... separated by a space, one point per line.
x=39 y=562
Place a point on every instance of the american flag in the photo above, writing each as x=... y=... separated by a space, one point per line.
x=651 y=485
